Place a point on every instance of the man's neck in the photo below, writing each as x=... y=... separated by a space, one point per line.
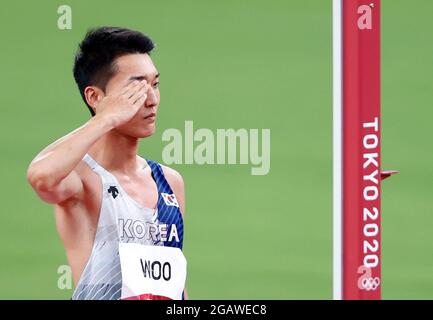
x=116 y=152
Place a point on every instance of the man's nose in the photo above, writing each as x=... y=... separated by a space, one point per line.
x=152 y=98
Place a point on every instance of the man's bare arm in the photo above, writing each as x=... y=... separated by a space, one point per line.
x=52 y=173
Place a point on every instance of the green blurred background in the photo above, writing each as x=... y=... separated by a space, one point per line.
x=227 y=64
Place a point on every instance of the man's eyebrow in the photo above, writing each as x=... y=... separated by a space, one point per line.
x=142 y=77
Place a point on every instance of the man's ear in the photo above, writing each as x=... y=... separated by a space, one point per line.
x=93 y=95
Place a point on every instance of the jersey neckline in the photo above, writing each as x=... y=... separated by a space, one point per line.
x=131 y=199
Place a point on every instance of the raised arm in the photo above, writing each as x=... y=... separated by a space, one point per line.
x=52 y=172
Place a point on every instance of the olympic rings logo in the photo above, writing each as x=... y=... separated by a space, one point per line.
x=370 y=283
x=366 y=281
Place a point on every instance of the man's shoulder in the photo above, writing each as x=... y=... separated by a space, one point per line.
x=175 y=180
x=176 y=183
x=172 y=174
x=86 y=173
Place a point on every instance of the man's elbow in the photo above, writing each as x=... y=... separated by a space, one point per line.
x=38 y=179
x=43 y=184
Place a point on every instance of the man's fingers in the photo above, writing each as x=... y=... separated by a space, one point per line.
x=130 y=86
x=140 y=99
x=139 y=93
x=133 y=91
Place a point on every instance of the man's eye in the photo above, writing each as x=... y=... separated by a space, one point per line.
x=156 y=85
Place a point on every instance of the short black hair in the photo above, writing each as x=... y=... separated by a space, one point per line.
x=94 y=59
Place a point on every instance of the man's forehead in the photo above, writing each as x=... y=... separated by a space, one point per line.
x=136 y=66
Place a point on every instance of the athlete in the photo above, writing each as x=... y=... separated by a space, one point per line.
x=120 y=216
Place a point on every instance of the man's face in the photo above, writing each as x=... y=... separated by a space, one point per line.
x=136 y=67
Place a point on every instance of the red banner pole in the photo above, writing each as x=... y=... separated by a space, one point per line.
x=361 y=149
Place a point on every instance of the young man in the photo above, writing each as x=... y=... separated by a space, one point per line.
x=119 y=216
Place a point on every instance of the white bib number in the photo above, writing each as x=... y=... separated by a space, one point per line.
x=152 y=270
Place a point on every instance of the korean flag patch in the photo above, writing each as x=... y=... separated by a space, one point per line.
x=170 y=199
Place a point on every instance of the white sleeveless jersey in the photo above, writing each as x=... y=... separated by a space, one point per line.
x=123 y=220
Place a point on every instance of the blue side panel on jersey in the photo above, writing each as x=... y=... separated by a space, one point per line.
x=169 y=215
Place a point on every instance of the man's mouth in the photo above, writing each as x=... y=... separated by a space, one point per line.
x=151 y=115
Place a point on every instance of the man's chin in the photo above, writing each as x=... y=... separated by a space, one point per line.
x=147 y=132
x=138 y=132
